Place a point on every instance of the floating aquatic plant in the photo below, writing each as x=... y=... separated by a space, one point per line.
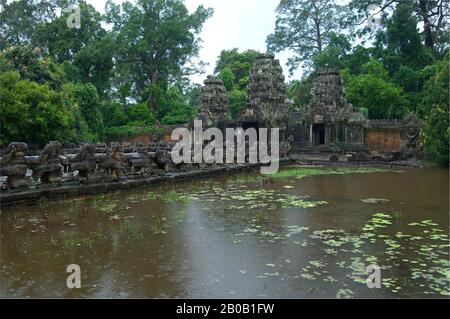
x=374 y=200
x=344 y=294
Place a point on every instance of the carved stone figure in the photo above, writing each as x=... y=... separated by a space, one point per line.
x=163 y=156
x=156 y=136
x=410 y=133
x=49 y=169
x=360 y=157
x=84 y=162
x=114 y=163
x=286 y=146
x=14 y=166
x=334 y=158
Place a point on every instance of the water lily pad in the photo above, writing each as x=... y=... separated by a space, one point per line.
x=344 y=294
x=375 y=200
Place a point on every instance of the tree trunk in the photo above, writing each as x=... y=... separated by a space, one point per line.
x=152 y=101
x=319 y=39
x=316 y=20
x=428 y=33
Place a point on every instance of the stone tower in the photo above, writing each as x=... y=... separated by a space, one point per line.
x=328 y=89
x=329 y=119
x=267 y=92
x=213 y=109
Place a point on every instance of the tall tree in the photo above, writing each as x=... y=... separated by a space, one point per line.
x=95 y=63
x=305 y=28
x=62 y=42
x=433 y=15
x=400 y=43
x=334 y=54
x=156 y=39
x=233 y=68
x=238 y=62
x=19 y=19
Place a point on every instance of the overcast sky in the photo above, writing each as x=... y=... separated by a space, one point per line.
x=242 y=24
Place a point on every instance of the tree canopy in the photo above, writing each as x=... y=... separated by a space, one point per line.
x=305 y=28
x=102 y=80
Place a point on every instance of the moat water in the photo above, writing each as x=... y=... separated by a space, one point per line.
x=237 y=237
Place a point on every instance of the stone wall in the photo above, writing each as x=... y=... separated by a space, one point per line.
x=140 y=138
x=382 y=140
x=145 y=138
x=383 y=136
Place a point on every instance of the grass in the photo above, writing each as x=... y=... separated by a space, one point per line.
x=132 y=230
x=158 y=227
x=71 y=241
x=171 y=197
x=300 y=172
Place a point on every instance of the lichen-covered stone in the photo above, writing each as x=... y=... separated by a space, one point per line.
x=114 y=163
x=14 y=166
x=84 y=162
x=213 y=108
x=329 y=119
x=49 y=169
x=266 y=100
x=410 y=133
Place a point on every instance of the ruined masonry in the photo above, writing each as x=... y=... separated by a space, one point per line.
x=329 y=119
x=266 y=101
x=213 y=108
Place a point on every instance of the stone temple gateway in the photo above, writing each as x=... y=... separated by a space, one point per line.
x=328 y=124
x=328 y=120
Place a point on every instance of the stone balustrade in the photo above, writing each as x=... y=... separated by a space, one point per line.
x=83 y=164
x=91 y=163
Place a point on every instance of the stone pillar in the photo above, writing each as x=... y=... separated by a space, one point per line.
x=327 y=139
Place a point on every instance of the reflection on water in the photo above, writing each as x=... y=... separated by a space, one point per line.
x=234 y=237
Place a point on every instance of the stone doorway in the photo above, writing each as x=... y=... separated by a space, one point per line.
x=319 y=134
x=255 y=125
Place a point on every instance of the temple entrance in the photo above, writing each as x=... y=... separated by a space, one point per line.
x=319 y=134
x=255 y=125
x=247 y=125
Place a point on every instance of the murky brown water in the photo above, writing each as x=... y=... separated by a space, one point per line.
x=225 y=237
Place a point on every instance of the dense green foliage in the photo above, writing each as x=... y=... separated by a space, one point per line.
x=31 y=111
x=233 y=68
x=435 y=104
x=88 y=83
x=436 y=135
